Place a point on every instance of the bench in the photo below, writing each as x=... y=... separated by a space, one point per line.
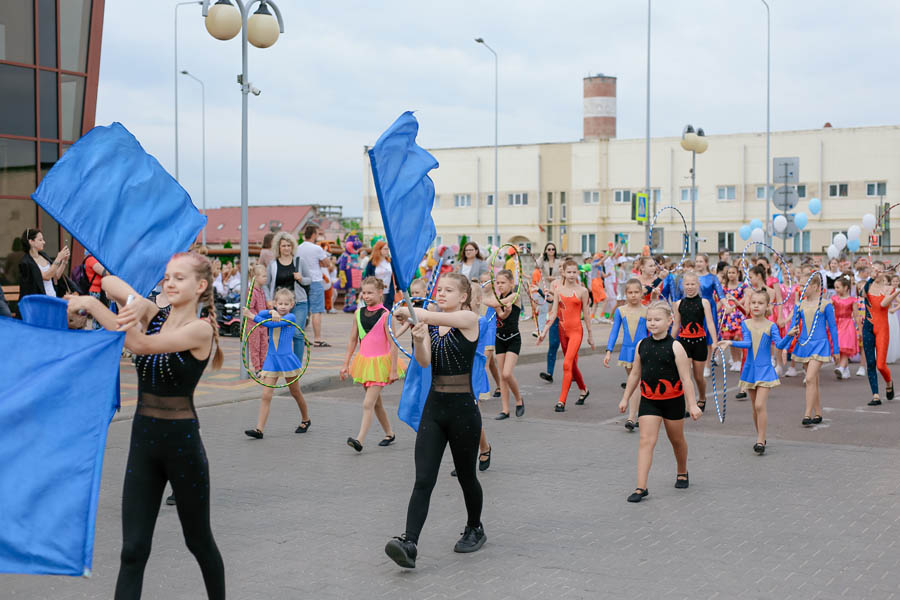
x=11 y=293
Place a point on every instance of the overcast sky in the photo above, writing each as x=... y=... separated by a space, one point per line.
x=343 y=71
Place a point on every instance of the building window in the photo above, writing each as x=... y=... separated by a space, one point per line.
x=801 y=191
x=490 y=200
x=686 y=194
x=562 y=206
x=592 y=197
x=462 y=200
x=438 y=240
x=492 y=241
x=622 y=197
x=761 y=191
x=549 y=233
x=801 y=241
x=518 y=199
x=589 y=243
x=727 y=192
x=655 y=196
x=550 y=212
x=876 y=189
x=726 y=240
x=837 y=190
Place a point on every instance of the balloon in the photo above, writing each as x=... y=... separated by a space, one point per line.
x=815 y=206
x=853 y=232
x=744 y=232
x=839 y=241
x=832 y=251
x=868 y=221
x=755 y=224
x=758 y=235
x=853 y=245
x=780 y=223
x=800 y=220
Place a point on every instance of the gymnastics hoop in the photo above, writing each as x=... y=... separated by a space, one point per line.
x=286 y=383
x=247 y=306
x=784 y=269
x=521 y=274
x=720 y=412
x=425 y=302
x=684 y=254
x=812 y=328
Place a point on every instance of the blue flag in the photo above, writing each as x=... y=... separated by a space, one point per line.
x=56 y=401
x=122 y=206
x=405 y=195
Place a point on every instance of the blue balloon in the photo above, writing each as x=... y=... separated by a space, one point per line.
x=744 y=232
x=815 y=206
x=800 y=220
x=755 y=224
x=853 y=245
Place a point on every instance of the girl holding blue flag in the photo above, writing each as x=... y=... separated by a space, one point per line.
x=165 y=436
x=447 y=341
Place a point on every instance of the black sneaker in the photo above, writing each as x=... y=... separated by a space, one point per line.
x=546 y=377
x=402 y=551
x=473 y=538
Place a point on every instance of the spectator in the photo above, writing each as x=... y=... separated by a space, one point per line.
x=470 y=263
x=314 y=257
x=380 y=266
x=291 y=273
x=95 y=272
x=266 y=255
x=223 y=275
x=38 y=274
x=363 y=260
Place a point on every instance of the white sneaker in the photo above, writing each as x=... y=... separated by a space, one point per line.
x=860 y=372
x=846 y=373
x=736 y=366
x=778 y=370
x=706 y=372
x=791 y=372
x=839 y=372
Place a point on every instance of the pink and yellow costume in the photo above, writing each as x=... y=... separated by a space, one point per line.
x=372 y=364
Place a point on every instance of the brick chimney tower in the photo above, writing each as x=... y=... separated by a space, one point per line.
x=599 y=107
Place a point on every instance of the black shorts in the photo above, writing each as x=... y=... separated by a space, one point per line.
x=696 y=348
x=513 y=344
x=671 y=409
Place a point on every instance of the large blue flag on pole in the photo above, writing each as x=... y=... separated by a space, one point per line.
x=57 y=397
x=121 y=204
x=405 y=195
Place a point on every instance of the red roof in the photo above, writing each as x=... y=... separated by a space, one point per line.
x=225 y=223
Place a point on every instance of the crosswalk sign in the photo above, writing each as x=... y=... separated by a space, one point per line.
x=639 y=207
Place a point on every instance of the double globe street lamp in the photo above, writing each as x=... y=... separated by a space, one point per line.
x=223 y=22
x=696 y=143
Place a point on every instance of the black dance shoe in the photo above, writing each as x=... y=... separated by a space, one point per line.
x=741 y=395
x=889 y=392
x=624 y=384
x=875 y=401
x=303 y=427
x=497 y=393
x=402 y=551
x=501 y=416
x=806 y=422
x=759 y=448
x=354 y=444
x=170 y=501
x=629 y=425
x=483 y=465
x=520 y=409
x=638 y=495
x=473 y=538
x=582 y=397
x=560 y=407
x=546 y=377
x=387 y=441
x=682 y=484
x=816 y=419
x=254 y=433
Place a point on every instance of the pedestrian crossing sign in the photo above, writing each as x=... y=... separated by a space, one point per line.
x=639 y=208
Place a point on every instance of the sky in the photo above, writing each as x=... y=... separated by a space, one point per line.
x=343 y=71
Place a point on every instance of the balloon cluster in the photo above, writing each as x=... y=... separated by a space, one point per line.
x=754 y=230
x=851 y=240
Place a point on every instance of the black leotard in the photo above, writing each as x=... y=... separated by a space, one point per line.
x=662 y=393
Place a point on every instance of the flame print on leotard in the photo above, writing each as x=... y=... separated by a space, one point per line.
x=664 y=390
x=692 y=331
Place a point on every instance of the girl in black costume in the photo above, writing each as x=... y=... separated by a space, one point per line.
x=447 y=341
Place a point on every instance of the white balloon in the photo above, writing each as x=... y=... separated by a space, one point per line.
x=868 y=221
x=780 y=223
x=839 y=241
x=758 y=235
x=853 y=232
x=832 y=251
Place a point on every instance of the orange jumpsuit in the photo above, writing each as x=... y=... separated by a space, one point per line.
x=570 y=334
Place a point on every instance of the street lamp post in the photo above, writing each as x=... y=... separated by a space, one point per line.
x=223 y=22
x=695 y=143
x=768 y=95
x=175 y=73
x=203 y=136
x=496 y=112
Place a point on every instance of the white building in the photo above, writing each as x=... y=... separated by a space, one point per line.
x=578 y=194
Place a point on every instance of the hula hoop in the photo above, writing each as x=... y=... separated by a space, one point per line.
x=286 y=383
x=521 y=274
x=684 y=254
x=815 y=321
x=720 y=412
x=247 y=306
x=784 y=268
x=425 y=301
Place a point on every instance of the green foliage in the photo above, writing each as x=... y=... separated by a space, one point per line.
x=227 y=244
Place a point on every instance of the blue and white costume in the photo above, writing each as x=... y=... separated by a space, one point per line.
x=634 y=330
x=818 y=348
x=280 y=358
x=757 y=340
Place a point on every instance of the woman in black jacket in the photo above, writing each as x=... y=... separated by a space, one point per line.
x=38 y=274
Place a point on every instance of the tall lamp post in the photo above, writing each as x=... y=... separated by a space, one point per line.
x=175 y=73
x=695 y=143
x=223 y=22
x=496 y=105
x=768 y=96
x=203 y=136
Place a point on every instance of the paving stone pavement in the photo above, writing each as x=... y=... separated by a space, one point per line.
x=303 y=516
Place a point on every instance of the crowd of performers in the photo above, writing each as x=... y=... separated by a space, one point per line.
x=668 y=322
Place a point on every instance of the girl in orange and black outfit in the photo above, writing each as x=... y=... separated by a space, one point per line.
x=875 y=335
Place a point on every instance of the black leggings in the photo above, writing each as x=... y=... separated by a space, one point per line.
x=166 y=450
x=452 y=418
